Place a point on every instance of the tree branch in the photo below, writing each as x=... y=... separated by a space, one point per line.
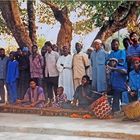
x=52 y=6
x=59 y=14
x=11 y=14
x=31 y=20
x=118 y=20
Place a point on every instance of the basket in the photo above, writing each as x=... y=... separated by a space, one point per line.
x=132 y=110
x=101 y=107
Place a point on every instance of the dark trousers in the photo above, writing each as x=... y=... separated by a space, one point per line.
x=2 y=91
x=52 y=84
x=116 y=99
x=23 y=83
x=44 y=85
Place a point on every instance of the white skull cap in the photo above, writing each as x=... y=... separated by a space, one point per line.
x=98 y=40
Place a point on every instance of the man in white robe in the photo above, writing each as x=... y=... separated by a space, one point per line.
x=64 y=66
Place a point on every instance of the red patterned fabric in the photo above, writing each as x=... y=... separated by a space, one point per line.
x=101 y=107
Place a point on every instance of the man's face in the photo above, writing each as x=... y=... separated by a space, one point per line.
x=78 y=48
x=49 y=49
x=24 y=53
x=11 y=56
x=134 y=38
x=2 y=52
x=55 y=48
x=84 y=81
x=65 y=50
x=112 y=63
x=97 y=45
x=32 y=84
x=19 y=52
x=34 y=49
x=136 y=64
x=43 y=50
x=59 y=91
x=115 y=45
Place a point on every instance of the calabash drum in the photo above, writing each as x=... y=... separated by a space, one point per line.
x=101 y=107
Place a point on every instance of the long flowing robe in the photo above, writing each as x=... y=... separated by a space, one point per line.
x=65 y=75
x=98 y=60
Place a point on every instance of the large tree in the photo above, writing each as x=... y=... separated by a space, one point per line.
x=12 y=16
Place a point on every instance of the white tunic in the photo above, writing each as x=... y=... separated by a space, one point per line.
x=65 y=75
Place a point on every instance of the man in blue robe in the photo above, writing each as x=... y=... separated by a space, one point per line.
x=98 y=60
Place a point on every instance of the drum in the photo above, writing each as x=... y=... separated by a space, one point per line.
x=101 y=107
x=132 y=110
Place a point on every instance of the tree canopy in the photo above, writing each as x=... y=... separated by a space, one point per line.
x=111 y=16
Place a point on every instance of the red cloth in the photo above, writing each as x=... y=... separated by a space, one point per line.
x=135 y=59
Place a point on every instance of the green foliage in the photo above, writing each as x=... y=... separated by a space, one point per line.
x=45 y=14
x=3 y=28
x=104 y=10
x=40 y=41
x=95 y=13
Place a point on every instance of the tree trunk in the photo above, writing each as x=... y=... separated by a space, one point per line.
x=11 y=15
x=65 y=33
x=125 y=13
x=31 y=20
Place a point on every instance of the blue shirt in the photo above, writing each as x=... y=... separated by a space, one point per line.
x=119 y=54
x=12 y=71
x=134 y=80
x=118 y=80
x=134 y=50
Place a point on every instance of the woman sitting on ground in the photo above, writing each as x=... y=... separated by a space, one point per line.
x=34 y=96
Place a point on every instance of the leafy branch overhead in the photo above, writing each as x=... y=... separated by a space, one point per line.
x=126 y=12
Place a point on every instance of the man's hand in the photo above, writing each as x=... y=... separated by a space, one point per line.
x=109 y=67
x=133 y=93
x=73 y=103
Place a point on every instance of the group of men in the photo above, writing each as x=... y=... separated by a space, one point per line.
x=112 y=72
